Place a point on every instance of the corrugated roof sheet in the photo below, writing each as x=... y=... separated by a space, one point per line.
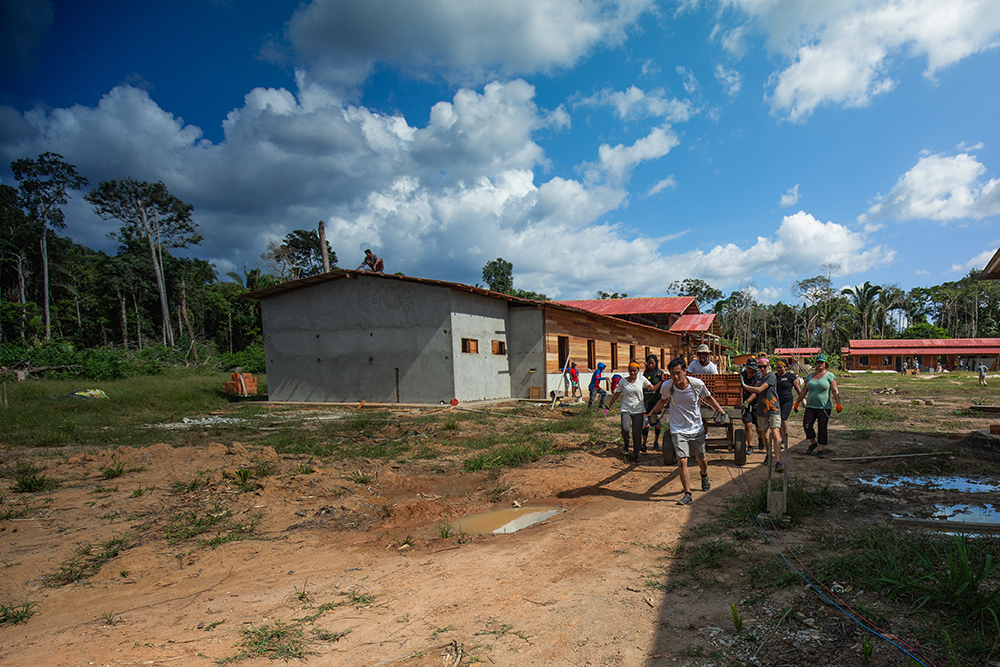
x=926 y=346
x=702 y=322
x=798 y=351
x=340 y=274
x=666 y=305
x=966 y=343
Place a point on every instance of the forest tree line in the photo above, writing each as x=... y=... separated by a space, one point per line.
x=55 y=289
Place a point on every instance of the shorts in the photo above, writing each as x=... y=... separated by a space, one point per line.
x=765 y=422
x=786 y=410
x=747 y=416
x=687 y=444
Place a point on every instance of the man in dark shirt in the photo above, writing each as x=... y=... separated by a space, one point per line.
x=788 y=389
x=650 y=396
x=767 y=412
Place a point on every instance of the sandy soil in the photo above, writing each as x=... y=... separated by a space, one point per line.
x=590 y=586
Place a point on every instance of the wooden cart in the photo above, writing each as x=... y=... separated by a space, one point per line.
x=728 y=391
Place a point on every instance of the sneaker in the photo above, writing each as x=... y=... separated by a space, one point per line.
x=705 y=484
x=643 y=450
x=656 y=446
x=811 y=449
x=749 y=450
x=634 y=460
x=821 y=454
x=685 y=499
x=767 y=459
x=778 y=467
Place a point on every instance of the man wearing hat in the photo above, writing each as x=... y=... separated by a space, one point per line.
x=747 y=375
x=701 y=365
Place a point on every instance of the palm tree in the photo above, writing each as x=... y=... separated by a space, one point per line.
x=865 y=303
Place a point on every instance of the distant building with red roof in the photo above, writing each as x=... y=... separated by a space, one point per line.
x=949 y=353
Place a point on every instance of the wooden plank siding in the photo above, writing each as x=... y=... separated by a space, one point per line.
x=580 y=328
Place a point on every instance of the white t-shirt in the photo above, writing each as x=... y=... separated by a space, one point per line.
x=632 y=393
x=685 y=405
x=708 y=369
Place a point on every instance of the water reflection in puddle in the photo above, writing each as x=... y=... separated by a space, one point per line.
x=504 y=521
x=964 y=484
x=967 y=514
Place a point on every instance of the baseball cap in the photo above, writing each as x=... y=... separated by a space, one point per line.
x=821 y=357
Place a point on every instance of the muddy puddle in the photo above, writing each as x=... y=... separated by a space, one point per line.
x=508 y=520
x=935 y=483
x=953 y=516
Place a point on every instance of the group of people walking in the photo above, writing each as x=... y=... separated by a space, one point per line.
x=769 y=399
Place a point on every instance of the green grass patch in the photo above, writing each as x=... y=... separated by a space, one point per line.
x=86 y=560
x=275 y=641
x=508 y=456
x=29 y=477
x=14 y=614
x=127 y=417
x=187 y=524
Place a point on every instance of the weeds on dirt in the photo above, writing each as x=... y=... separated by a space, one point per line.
x=14 y=614
x=29 y=477
x=185 y=524
x=113 y=470
x=275 y=641
x=444 y=529
x=360 y=478
x=510 y=456
x=86 y=560
x=191 y=485
x=245 y=479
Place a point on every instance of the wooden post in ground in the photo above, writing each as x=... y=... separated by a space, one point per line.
x=322 y=247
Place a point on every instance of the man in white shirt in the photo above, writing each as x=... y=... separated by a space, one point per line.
x=687 y=431
x=701 y=365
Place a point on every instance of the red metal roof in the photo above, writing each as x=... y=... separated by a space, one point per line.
x=926 y=346
x=701 y=322
x=797 y=351
x=666 y=305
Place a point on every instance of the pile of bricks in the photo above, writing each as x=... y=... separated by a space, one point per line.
x=725 y=387
x=248 y=387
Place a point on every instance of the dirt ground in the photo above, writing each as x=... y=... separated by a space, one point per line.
x=357 y=549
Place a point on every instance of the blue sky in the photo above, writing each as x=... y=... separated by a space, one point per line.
x=613 y=146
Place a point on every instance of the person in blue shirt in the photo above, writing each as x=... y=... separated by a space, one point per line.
x=595 y=387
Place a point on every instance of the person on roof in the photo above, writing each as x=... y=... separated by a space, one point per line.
x=595 y=387
x=372 y=261
x=701 y=364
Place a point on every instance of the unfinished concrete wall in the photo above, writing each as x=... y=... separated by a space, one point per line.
x=349 y=339
x=525 y=349
x=483 y=373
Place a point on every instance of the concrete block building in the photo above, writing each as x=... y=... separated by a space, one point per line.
x=347 y=336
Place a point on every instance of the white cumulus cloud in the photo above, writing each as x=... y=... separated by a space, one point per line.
x=940 y=187
x=842 y=52
x=790 y=198
x=342 y=40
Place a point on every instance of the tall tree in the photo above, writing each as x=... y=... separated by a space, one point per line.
x=298 y=255
x=498 y=274
x=706 y=295
x=149 y=211
x=864 y=301
x=42 y=186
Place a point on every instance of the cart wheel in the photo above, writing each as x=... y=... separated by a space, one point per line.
x=740 y=436
x=669 y=457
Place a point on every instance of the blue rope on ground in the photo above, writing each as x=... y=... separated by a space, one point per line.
x=863 y=623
